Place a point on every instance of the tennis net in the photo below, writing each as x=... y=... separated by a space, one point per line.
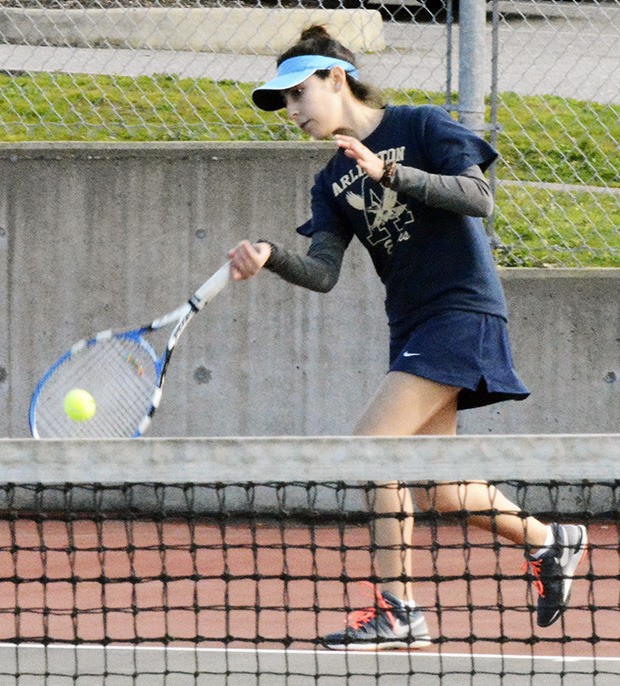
x=229 y=561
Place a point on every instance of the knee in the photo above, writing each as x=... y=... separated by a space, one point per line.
x=457 y=497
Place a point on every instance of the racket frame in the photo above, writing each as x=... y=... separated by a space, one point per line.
x=182 y=315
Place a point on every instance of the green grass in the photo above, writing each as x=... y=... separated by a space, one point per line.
x=575 y=229
x=547 y=138
x=63 y=107
x=542 y=138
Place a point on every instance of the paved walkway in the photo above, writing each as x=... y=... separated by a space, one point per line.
x=569 y=50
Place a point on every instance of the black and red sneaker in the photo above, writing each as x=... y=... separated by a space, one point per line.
x=553 y=571
x=389 y=624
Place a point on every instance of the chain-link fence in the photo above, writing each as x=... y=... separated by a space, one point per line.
x=183 y=70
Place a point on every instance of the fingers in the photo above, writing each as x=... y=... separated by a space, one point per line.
x=351 y=146
x=247 y=259
x=365 y=158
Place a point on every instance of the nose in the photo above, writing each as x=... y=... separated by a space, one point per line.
x=292 y=109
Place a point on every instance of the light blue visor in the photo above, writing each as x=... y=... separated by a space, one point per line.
x=291 y=73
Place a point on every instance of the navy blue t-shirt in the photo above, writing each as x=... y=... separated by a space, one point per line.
x=430 y=260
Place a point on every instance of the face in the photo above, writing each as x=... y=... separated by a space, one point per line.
x=314 y=106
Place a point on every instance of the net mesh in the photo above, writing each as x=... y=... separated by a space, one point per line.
x=191 y=582
x=118 y=371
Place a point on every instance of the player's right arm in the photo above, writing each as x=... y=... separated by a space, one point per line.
x=318 y=270
x=247 y=259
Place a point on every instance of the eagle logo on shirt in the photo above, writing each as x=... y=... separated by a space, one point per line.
x=387 y=219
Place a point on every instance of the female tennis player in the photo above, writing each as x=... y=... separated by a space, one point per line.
x=408 y=183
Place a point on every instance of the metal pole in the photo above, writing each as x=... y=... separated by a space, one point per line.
x=472 y=62
x=496 y=242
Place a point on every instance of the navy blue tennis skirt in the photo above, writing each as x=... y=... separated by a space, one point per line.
x=468 y=350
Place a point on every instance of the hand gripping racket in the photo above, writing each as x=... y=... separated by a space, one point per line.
x=120 y=370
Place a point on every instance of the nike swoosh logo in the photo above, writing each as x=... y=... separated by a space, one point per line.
x=411 y=354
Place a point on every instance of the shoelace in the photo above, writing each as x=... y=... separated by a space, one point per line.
x=358 y=618
x=535 y=566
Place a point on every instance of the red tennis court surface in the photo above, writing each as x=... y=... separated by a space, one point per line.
x=262 y=586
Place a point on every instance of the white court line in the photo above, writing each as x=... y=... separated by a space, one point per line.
x=296 y=651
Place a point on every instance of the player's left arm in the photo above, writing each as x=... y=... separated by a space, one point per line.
x=467 y=193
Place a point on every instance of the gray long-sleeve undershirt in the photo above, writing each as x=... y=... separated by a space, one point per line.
x=467 y=194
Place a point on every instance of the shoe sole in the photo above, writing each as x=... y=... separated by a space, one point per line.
x=423 y=642
x=569 y=571
x=572 y=564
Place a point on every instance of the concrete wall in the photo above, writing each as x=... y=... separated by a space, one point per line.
x=233 y=30
x=94 y=236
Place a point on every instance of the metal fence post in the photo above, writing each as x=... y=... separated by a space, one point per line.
x=472 y=62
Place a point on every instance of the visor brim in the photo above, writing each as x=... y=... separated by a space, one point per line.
x=269 y=96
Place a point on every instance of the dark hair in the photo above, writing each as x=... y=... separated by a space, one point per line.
x=316 y=40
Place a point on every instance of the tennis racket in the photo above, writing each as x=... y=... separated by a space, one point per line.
x=121 y=371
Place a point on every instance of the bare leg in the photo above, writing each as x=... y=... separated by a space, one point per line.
x=402 y=406
x=478 y=496
x=408 y=405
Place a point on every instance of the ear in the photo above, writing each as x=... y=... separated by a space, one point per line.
x=338 y=77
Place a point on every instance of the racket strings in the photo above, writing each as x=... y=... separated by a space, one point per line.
x=119 y=372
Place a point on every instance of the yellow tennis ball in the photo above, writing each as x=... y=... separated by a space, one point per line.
x=80 y=405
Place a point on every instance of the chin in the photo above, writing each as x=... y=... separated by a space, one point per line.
x=343 y=131
x=323 y=135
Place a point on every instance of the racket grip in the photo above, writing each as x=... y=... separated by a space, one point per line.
x=212 y=287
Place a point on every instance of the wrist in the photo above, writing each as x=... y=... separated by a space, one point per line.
x=271 y=247
x=388 y=174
